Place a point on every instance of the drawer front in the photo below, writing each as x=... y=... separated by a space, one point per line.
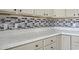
x=75 y=40
x=50 y=40
x=75 y=43
x=24 y=47
x=75 y=47
x=50 y=47
x=38 y=44
x=30 y=46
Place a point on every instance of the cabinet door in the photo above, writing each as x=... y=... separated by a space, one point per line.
x=71 y=13
x=30 y=46
x=50 y=40
x=48 y=12
x=7 y=10
x=59 y=42
x=27 y=11
x=75 y=42
x=39 y=12
x=50 y=47
x=65 y=42
x=59 y=13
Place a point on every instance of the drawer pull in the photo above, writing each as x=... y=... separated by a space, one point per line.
x=51 y=40
x=51 y=47
x=36 y=45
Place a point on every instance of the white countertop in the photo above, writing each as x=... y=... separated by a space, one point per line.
x=12 y=38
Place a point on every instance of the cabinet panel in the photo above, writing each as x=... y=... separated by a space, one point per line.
x=27 y=11
x=48 y=12
x=75 y=42
x=50 y=40
x=72 y=13
x=24 y=47
x=39 y=12
x=50 y=47
x=59 y=42
x=30 y=46
x=75 y=47
x=69 y=13
x=7 y=10
x=65 y=42
x=75 y=39
x=59 y=13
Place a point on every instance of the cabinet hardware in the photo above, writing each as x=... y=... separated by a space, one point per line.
x=51 y=47
x=51 y=40
x=74 y=14
x=20 y=10
x=36 y=45
x=14 y=9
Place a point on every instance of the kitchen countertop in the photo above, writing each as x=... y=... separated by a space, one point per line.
x=12 y=38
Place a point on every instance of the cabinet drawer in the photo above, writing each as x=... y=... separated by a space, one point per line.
x=50 y=47
x=38 y=44
x=30 y=46
x=50 y=40
x=75 y=47
x=75 y=40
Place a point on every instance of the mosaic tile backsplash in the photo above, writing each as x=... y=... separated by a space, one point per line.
x=11 y=23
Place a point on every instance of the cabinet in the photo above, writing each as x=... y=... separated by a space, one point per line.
x=44 y=12
x=57 y=42
x=48 y=12
x=72 y=12
x=39 y=12
x=50 y=47
x=51 y=43
x=75 y=43
x=28 y=11
x=7 y=11
x=44 y=44
x=59 y=13
x=65 y=42
x=30 y=46
x=50 y=40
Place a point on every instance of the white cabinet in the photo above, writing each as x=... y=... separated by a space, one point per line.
x=59 y=13
x=50 y=40
x=57 y=42
x=44 y=12
x=27 y=11
x=72 y=13
x=65 y=42
x=30 y=46
x=50 y=47
x=75 y=43
x=7 y=11
x=51 y=43
x=48 y=12
x=39 y=12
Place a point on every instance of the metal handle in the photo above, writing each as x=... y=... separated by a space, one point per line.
x=51 y=40
x=36 y=45
x=51 y=47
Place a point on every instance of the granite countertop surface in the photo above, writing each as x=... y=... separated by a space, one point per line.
x=14 y=38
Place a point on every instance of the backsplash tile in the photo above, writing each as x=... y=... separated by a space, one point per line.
x=11 y=23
